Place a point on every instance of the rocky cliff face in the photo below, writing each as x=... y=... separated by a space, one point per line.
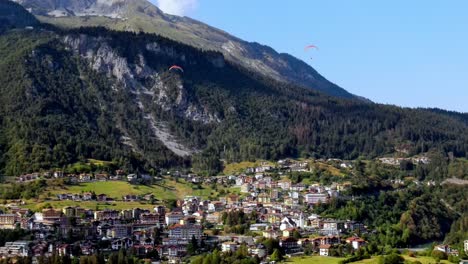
x=141 y=15
x=149 y=87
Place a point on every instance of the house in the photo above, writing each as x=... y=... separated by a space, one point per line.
x=258 y=250
x=271 y=233
x=131 y=198
x=315 y=198
x=87 y=196
x=289 y=245
x=325 y=250
x=287 y=223
x=119 y=231
x=132 y=177
x=245 y=188
x=15 y=249
x=284 y=184
x=232 y=199
x=288 y=232
x=101 y=177
x=229 y=247
x=148 y=197
x=264 y=198
x=446 y=249
x=465 y=243
x=63 y=196
x=184 y=233
x=258 y=227
x=123 y=243
x=7 y=221
x=84 y=177
x=51 y=214
x=102 y=197
x=356 y=242
x=69 y=211
x=214 y=218
x=173 y=218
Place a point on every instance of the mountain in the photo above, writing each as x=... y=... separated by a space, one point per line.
x=141 y=15
x=70 y=95
x=13 y=15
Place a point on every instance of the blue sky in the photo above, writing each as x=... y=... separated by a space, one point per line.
x=408 y=53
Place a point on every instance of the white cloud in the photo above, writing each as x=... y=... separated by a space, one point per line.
x=177 y=7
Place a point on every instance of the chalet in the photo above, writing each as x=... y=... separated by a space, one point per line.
x=51 y=214
x=327 y=240
x=356 y=242
x=325 y=250
x=290 y=245
x=153 y=219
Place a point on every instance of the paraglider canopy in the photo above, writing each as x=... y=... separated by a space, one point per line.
x=176 y=67
x=310 y=47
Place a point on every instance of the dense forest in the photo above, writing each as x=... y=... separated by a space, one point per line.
x=56 y=108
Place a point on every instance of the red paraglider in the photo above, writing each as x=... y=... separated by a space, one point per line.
x=311 y=47
x=175 y=67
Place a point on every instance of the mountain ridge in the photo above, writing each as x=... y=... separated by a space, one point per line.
x=141 y=15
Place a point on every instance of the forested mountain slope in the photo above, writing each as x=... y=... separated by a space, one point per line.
x=109 y=95
x=92 y=93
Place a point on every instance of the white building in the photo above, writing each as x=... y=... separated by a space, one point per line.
x=229 y=247
x=15 y=249
x=325 y=250
x=173 y=218
x=315 y=198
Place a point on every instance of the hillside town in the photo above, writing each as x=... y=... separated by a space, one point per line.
x=262 y=208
